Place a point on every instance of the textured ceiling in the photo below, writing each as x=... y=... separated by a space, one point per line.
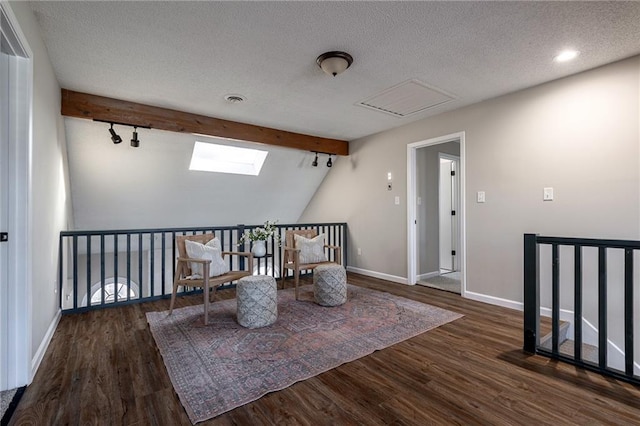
x=188 y=55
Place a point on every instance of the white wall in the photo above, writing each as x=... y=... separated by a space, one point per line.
x=50 y=207
x=579 y=135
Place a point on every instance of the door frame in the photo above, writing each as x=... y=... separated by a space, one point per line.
x=412 y=206
x=17 y=369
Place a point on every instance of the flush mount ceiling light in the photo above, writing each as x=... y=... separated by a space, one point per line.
x=566 y=55
x=334 y=63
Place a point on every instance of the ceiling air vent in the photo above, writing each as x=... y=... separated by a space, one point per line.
x=407 y=98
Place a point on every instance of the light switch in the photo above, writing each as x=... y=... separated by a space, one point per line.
x=480 y=197
x=397 y=200
x=547 y=194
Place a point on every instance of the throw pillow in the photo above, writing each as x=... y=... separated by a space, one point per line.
x=311 y=250
x=211 y=251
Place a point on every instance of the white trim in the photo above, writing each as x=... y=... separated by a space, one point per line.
x=39 y=355
x=20 y=216
x=382 y=276
x=412 y=207
x=492 y=300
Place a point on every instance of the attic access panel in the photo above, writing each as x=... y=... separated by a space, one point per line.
x=406 y=99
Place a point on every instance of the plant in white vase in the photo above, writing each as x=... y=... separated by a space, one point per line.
x=258 y=237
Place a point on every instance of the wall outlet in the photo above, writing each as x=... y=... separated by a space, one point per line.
x=547 y=194
x=419 y=201
x=480 y=197
x=397 y=201
x=359 y=251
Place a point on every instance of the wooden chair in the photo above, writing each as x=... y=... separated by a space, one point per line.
x=183 y=271
x=291 y=255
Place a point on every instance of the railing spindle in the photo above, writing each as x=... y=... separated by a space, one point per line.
x=602 y=307
x=555 y=299
x=628 y=311
x=577 y=304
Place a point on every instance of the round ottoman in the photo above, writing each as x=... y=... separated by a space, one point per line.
x=257 y=301
x=330 y=285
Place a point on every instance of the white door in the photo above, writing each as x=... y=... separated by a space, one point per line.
x=449 y=214
x=4 y=213
x=445 y=196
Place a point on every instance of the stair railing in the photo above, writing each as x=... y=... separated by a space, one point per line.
x=104 y=268
x=606 y=319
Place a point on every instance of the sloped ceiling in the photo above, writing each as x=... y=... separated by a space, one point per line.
x=120 y=187
x=187 y=55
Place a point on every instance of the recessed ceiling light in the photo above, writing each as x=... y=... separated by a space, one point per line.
x=566 y=55
x=234 y=99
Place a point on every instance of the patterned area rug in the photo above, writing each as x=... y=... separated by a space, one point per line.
x=222 y=366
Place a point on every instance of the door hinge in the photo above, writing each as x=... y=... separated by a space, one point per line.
x=453 y=252
x=4 y=236
x=453 y=212
x=453 y=172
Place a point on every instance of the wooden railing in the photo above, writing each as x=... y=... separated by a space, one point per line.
x=100 y=269
x=600 y=276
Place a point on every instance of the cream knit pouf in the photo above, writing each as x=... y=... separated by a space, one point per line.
x=330 y=285
x=257 y=301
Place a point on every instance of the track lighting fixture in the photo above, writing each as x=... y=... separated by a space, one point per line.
x=329 y=161
x=114 y=136
x=135 y=142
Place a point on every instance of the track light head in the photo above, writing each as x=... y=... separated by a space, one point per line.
x=315 y=162
x=329 y=162
x=115 y=138
x=135 y=142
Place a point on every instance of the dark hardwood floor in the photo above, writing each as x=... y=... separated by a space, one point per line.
x=103 y=368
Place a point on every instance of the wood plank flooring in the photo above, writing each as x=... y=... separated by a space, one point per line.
x=103 y=368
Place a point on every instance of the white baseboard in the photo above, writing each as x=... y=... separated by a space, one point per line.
x=382 y=276
x=492 y=300
x=39 y=355
x=428 y=275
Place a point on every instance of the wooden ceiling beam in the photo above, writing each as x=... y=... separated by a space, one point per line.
x=93 y=107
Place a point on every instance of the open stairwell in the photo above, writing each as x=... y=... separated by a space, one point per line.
x=566 y=346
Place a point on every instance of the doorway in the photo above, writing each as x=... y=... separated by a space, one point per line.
x=435 y=210
x=15 y=146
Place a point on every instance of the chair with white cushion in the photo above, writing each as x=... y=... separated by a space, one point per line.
x=304 y=250
x=201 y=264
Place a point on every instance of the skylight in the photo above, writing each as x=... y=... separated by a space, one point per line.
x=209 y=157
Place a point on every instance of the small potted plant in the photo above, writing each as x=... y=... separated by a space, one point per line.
x=258 y=237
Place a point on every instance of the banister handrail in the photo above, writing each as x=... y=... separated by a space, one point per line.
x=624 y=366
